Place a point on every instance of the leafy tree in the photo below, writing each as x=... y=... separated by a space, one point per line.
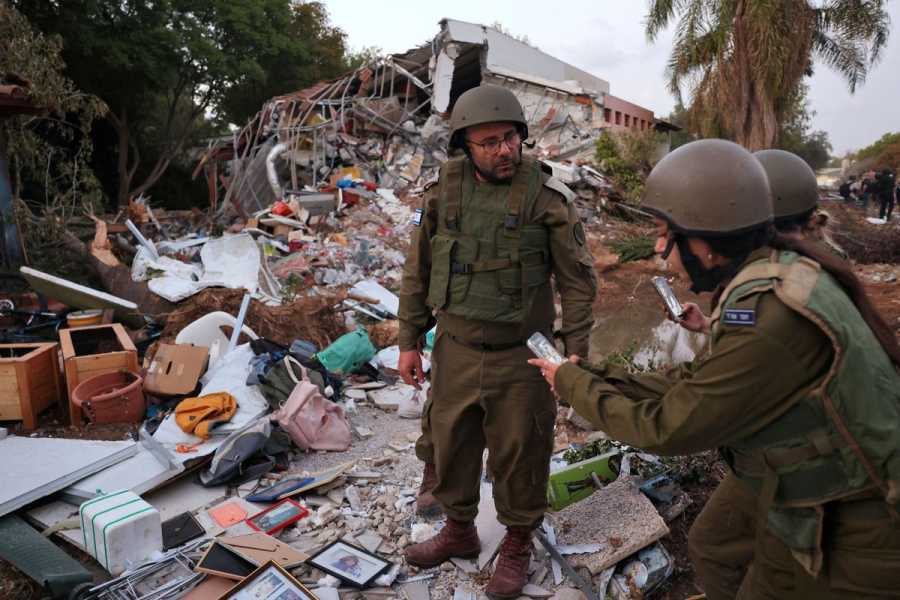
x=878 y=147
x=739 y=57
x=627 y=158
x=794 y=131
x=165 y=67
x=304 y=48
x=679 y=116
x=48 y=152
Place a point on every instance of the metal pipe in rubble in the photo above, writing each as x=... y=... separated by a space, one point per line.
x=274 y=153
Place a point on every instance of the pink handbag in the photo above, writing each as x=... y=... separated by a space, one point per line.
x=312 y=421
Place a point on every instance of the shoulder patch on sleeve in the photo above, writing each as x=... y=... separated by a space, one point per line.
x=558 y=186
x=417 y=217
x=739 y=316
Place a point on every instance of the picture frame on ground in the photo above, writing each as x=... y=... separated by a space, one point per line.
x=269 y=582
x=349 y=563
x=277 y=517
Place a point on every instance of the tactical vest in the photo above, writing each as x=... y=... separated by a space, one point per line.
x=839 y=442
x=486 y=262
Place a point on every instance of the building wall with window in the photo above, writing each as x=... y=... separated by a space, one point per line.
x=621 y=115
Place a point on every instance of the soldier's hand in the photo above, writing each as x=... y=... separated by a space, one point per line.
x=410 y=367
x=694 y=319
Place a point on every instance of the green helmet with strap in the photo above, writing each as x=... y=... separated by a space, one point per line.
x=711 y=188
x=485 y=104
x=794 y=187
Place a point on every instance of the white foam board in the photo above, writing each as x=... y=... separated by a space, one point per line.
x=37 y=467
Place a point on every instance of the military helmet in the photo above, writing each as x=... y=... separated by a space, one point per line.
x=709 y=187
x=793 y=183
x=485 y=104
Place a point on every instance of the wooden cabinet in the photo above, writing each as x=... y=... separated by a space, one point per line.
x=29 y=381
x=89 y=351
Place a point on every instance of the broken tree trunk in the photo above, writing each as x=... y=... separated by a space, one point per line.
x=116 y=277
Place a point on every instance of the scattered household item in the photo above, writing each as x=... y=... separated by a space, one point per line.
x=260 y=548
x=312 y=421
x=199 y=416
x=166 y=576
x=56 y=572
x=95 y=350
x=280 y=490
x=176 y=369
x=244 y=455
x=37 y=467
x=115 y=397
x=211 y=588
x=269 y=581
x=222 y=561
x=315 y=480
x=29 y=381
x=84 y=318
x=581 y=479
x=180 y=529
x=227 y=514
x=644 y=573
x=207 y=331
x=349 y=563
x=277 y=516
x=120 y=530
x=347 y=353
x=80 y=296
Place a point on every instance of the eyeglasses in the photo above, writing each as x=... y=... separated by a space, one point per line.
x=492 y=145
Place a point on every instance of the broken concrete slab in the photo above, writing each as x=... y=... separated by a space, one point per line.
x=619 y=517
x=370 y=541
x=416 y=590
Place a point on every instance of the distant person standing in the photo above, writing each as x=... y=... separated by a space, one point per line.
x=844 y=190
x=886 y=192
x=868 y=188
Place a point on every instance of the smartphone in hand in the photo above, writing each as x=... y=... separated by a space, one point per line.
x=673 y=306
x=544 y=348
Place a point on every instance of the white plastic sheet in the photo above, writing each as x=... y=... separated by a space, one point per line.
x=229 y=374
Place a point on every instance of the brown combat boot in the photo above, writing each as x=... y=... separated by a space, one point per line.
x=426 y=504
x=458 y=539
x=511 y=573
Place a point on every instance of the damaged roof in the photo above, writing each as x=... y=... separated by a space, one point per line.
x=510 y=57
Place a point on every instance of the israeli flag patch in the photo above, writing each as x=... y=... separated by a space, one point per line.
x=739 y=316
x=417 y=217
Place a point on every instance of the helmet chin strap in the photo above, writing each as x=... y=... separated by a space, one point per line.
x=703 y=279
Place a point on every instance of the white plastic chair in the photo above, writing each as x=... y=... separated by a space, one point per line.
x=207 y=331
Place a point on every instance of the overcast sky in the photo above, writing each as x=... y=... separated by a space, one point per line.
x=606 y=38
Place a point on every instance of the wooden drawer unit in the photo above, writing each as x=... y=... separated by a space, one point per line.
x=89 y=351
x=29 y=381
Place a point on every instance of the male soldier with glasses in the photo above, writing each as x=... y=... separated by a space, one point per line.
x=488 y=238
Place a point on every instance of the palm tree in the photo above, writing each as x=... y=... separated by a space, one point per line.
x=742 y=59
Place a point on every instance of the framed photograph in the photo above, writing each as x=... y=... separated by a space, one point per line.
x=349 y=564
x=269 y=582
x=278 y=516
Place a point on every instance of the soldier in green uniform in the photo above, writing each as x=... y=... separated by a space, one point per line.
x=721 y=539
x=487 y=240
x=800 y=389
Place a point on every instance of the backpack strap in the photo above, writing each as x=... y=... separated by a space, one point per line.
x=451 y=191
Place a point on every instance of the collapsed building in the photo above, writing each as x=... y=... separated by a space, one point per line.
x=387 y=121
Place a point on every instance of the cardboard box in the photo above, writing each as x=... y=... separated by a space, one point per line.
x=89 y=351
x=175 y=369
x=29 y=381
